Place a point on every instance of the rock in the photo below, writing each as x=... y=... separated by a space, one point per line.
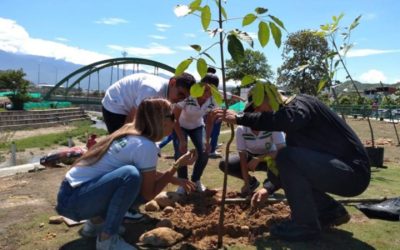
x=164 y=223
x=160 y=237
x=152 y=206
x=56 y=219
x=41 y=225
x=165 y=199
x=168 y=210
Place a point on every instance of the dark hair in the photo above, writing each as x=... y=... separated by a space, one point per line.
x=185 y=80
x=210 y=77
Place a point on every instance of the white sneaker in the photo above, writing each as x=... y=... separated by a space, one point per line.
x=115 y=242
x=91 y=230
x=200 y=187
x=181 y=190
x=214 y=155
x=133 y=215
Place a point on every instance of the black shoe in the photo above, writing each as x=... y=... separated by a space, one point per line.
x=253 y=184
x=291 y=231
x=335 y=216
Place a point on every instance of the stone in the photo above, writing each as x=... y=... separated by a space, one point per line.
x=164 y=223
x=152 y=206
x=165 y=199
x=56 y=219
x=160 y=237
x=168 y=209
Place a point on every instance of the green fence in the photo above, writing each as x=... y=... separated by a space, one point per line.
x=46 y=105
x=386 y=112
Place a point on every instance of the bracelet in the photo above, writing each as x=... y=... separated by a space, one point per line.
x=175 y=165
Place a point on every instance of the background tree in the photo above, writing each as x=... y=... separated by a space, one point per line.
x=14 y=81
x=303 y=66
x=254 y=63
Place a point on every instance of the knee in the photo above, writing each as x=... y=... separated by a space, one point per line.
x=130 y=174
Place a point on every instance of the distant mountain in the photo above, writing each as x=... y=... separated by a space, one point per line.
x=348 y=86
x=47 y=70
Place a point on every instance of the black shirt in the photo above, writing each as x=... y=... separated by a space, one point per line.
x=309 y=123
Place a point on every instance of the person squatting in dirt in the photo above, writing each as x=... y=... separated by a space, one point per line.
x=323 y=155
x=122 y=98
x=257 y=152
x=118 y=171
x=190 y=115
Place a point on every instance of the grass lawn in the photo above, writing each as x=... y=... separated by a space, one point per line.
x=27 y=201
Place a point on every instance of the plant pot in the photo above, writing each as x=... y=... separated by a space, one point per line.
x=375 y=156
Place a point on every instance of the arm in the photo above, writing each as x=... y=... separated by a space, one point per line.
x=243 y=167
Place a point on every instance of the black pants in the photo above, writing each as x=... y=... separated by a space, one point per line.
x=306 y=176
x=112 y=120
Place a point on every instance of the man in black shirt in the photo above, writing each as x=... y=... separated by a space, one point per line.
x=323 y=155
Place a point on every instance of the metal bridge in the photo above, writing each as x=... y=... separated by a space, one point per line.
x=83 y=86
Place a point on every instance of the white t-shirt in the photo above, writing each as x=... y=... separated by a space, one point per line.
x=129 y=150
x=262 y=143
x=130 y=91
x=192 y=115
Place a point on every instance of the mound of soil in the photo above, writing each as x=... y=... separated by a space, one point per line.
x=197 y=218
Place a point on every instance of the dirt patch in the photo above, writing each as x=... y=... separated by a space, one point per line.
x=197 y=218
x=20 y=134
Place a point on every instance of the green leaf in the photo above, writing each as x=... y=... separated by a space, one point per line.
x=205 y=17
x=235 y=48
x=201 y=67
x=271 y=97
x=197 y=90
x=258 y=94
x=260 y=10
x=246 y=80
x=216 y=94
x=223 y=12
x=196 y=47
x=209 y=57
x=336 y=64
x=276 y=34
x=245 y=37
x=183 y=66
x=248 y=19
x=195 y=5
x=263 y=33
x=322 y=83
x=277 y=21
x=355 y=23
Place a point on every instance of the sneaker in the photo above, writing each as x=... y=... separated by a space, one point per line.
x=200 y=187
x=335 y=216
x=91 y=230
x=253 y=184
x=214 y=155
x=115 y=242
x=219 y=145
x=291 y=231
x=133 y=214
x=181 y=190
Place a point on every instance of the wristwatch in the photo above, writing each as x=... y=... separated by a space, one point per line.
x=239 y=115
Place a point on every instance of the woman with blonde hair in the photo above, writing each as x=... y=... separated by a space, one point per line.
x=118 y=171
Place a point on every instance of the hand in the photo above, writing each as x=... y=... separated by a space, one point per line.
x=252 y=164
x=228 y=116
x=189 y=186
x=188 y=158
x=260 y=196
x=183 y=147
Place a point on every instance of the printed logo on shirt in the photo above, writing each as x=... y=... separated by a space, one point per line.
x=119 y=144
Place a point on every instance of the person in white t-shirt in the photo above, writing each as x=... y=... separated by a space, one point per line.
x=190 y=115
x=257 y=151
x=124 y=96
x=119 y=171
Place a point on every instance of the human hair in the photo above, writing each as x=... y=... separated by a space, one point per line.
x=148 y=123
x=210 y=77
x=185 y=80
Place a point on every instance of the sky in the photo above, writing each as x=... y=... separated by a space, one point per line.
x=86 y=31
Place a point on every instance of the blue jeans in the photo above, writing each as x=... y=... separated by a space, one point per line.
x=214 y=136
x=108 y=196
x=165 y=141
x=196 y=135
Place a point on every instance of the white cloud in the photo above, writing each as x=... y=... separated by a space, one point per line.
x=15 y=39
x=373 y=76
x=111 y=21
x=152 y=50
x=162 y=26
x=61 y=39
x=158 y=37
x=181 y=10
x=369 y=52
x=184 y=48
x=190 y=35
